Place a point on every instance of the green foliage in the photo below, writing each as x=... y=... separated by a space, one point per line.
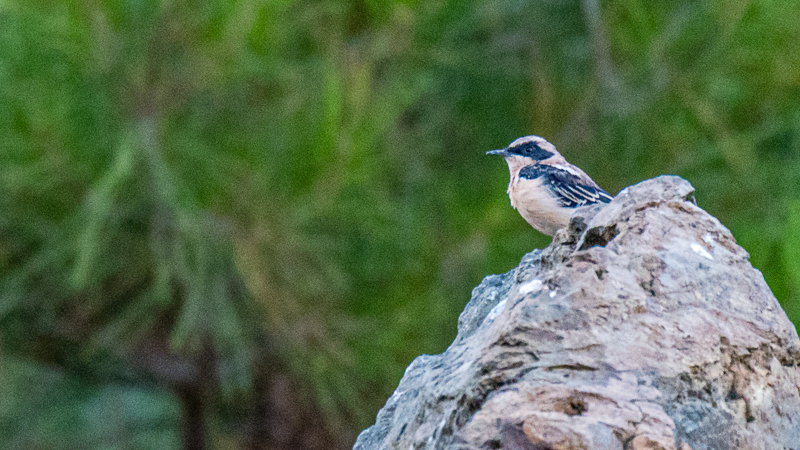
x=219 y=184
x=43 y=409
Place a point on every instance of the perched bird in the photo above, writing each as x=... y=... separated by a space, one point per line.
x=544 y=187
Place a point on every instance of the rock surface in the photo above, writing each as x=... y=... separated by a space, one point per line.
x=641 y=327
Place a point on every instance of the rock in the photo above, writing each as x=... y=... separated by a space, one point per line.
x=643 y=326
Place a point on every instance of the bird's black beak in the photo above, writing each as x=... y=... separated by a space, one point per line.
x=501 y=152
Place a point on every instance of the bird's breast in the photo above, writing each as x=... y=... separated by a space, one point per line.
x=537 y=206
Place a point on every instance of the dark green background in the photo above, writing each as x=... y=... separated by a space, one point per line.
x=232 y=224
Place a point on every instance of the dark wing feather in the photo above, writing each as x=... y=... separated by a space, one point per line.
x=571 y=190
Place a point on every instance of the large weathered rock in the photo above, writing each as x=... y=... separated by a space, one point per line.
x=642 y=326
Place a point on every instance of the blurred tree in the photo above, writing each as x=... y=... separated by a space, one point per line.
x=233 y=224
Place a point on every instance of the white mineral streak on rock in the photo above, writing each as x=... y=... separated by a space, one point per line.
x=697 y=248
x=496 y=311
x=530 y=286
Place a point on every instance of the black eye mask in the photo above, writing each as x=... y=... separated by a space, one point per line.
x=530 y=150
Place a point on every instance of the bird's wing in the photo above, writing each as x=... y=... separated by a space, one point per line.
x=570 y=189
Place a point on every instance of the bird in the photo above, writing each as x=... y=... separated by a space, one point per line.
x=544 y=187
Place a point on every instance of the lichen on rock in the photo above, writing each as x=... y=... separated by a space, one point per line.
x=643 y=326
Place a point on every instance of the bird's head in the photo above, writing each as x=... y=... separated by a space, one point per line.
x=533 y=148
x=526 y=151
